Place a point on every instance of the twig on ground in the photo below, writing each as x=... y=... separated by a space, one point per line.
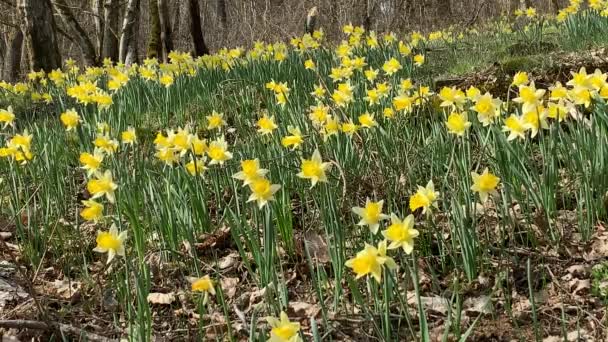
x=63 y=328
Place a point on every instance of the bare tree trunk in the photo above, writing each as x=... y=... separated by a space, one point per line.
x=3 y=46
x=97 y=6
x=311 y=20
x=132 y=50
x=84 y=42
x=39 y=31
x=128 y=29
x=196 y=31
x=12 y=59
x=154 y=49
x=221 y=13
x=166 y=36
x=110 y=34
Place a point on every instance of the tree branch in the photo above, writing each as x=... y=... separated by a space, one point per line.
x=8 y=3
x=64 y=328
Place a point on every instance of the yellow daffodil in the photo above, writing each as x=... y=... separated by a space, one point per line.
x=529 y=97
x=196 y=167
x=203 y=284
x=391 y=66
x=487 y=108
x=314 y=169
x=371 y=215
x=451 y=97
x=318 y=92
x=102 y=185
x=366 y=120
x=166 y=80
x=111 y=242
x=484 y=184
x=349 y=128
x=457 y=123
x=425 y=198
x=266 y=125
x=370 y=261
x=215 y=120
x=167 y=155
x=401 y=233
x=262 y=191
x=388 y=112
x=371 y=74
x=283 y=330
x=473 y=93
x=92 y=211
x=105 y=143
x=218 y=151
x=520 y=78
x=309 y=64
x=294 y=140
x=250 y=171
x=515 y=125
x=91 y=162
x=418 y=60
x=129 y=137
x=7 y=117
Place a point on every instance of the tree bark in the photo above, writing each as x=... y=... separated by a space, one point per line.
x=444 y=10
x=166 y=36
x=12 y=58
x=110 y=34
x=87 y=48
x=97 y=6
x=40 y=34
x=154 y=49
x=196 y=31
x=221 y=13
x=129 y=29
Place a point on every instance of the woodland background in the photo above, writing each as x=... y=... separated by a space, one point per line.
x=40 y=34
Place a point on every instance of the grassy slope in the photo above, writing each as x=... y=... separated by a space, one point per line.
x=520 y=246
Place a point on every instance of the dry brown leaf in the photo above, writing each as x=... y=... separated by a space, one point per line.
x=10 y=292
x=229 y=286
x=477 y=305
x=66 y=288
x=161 y=298
x=433 y=304
x=229 y=261
x=303 y=309
x=577 y=285
x=316 y=247
x=573 y=336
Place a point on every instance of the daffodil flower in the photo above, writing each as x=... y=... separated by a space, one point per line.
x=370 y=261
x=283 y=330
x=111 y=242
x=314 y=169
x=371 y=215
x=401 y=233
x=484 y=184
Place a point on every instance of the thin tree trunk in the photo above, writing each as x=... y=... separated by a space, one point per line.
x=87 y=48
x=39 y=31
x=132 y=50
x=166 y=36
x=3 y=45
x=110 y=34
x=196 y=31
x=128 y=29
x=154 y=49
x=12 y=59
x=97 y=6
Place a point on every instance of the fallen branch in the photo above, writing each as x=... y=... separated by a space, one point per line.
x=63 y=328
